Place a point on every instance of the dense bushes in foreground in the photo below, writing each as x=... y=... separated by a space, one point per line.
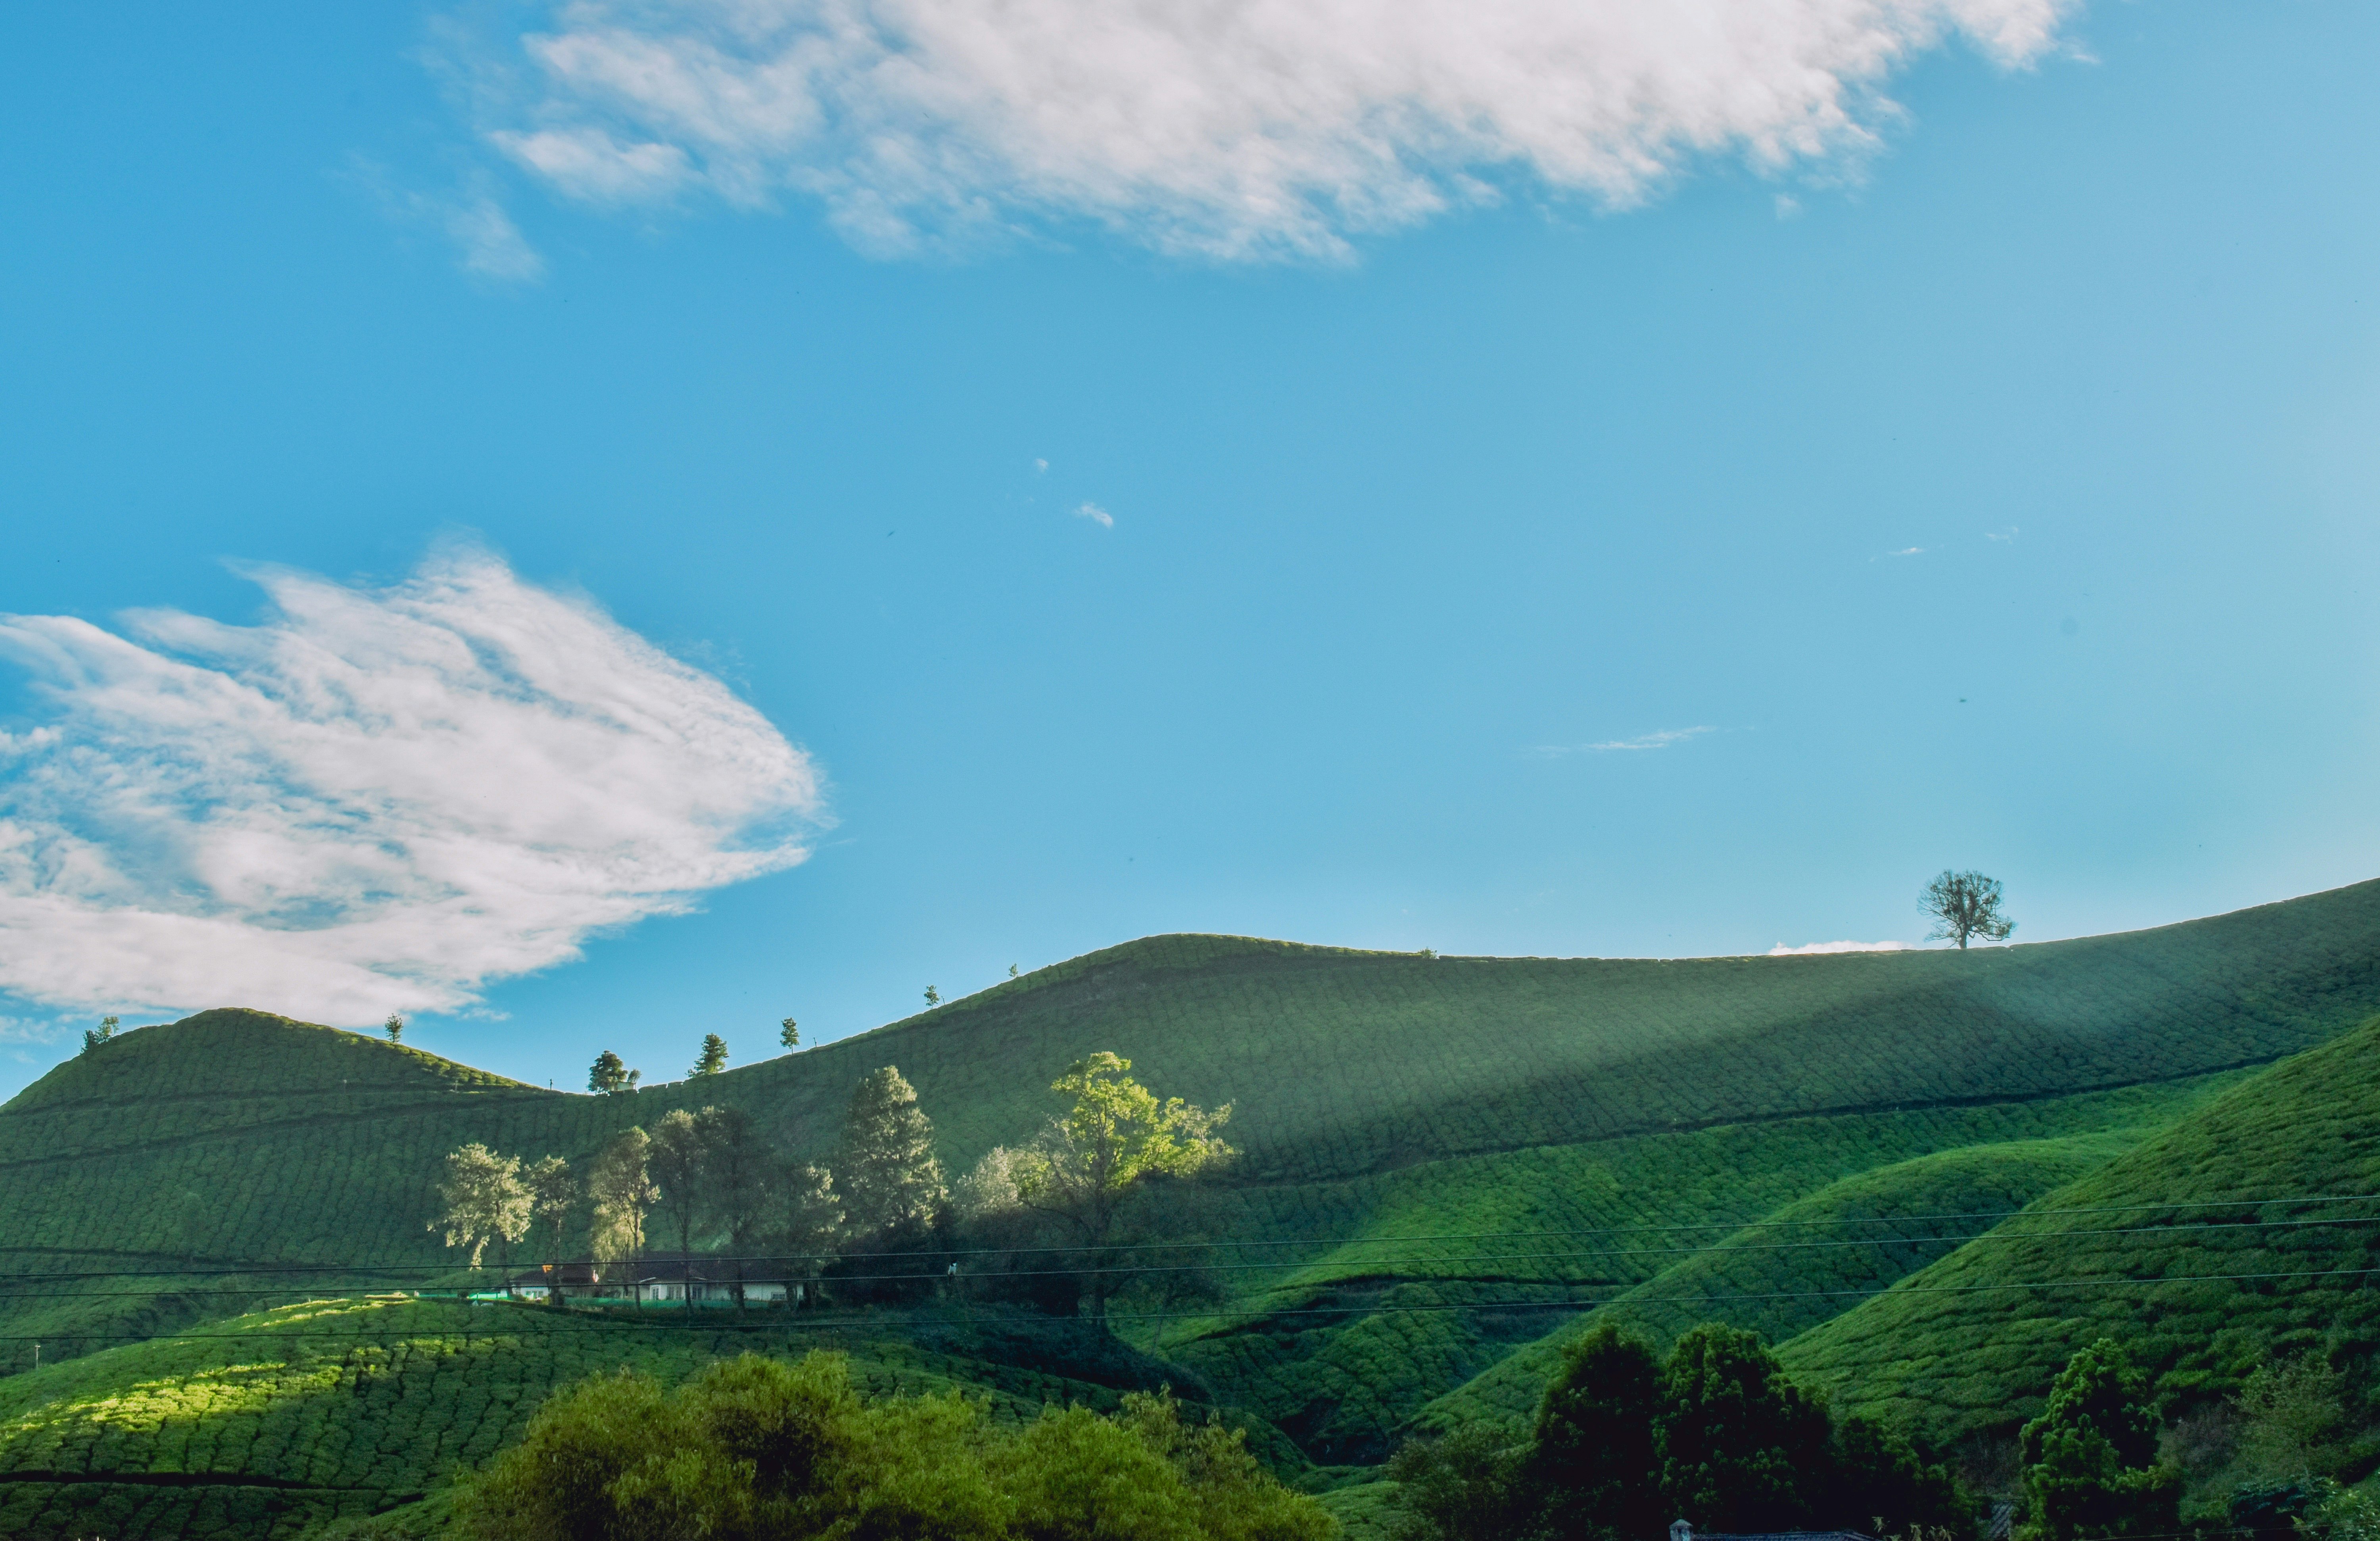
x=753 y=1449
x=1625 y=1442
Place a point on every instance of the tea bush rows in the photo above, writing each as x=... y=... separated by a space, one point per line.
x=1948 y=1361
x=347 y=1407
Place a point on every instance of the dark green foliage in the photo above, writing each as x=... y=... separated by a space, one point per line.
x=1461 y=1486
x=2091 y=1466
x=1719 y=1434
x=1879 y=1479
x=759 y=1450
x=1589 y=1472
x=1741 y=1446
x=885 y=1169
x=2270 y=1510
x=609 y=1073
x=713 y=1058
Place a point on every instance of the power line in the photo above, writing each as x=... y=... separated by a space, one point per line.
x=1135 y=1270
x=1995 y=1234
x=1219 y=1314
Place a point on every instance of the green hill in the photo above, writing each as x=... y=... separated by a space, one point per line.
x=1447 y=1160
x=1970 y=1344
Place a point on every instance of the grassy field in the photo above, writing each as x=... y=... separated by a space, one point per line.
x=1449 y=1163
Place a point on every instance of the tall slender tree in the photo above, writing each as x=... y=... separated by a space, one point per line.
x=621 y=1190
x=393 y=1028
x=553 y=1194
x=681 y=1158
x=713 y=1058
x=789 y=1033
x=736 y=1182
x=885 y=1166
x=811 y=1219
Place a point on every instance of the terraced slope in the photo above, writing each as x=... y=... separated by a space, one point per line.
x=1966 y=1344
x=1349 y=1348
x=283 y=1419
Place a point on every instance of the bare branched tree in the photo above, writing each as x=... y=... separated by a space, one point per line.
x=1965 y=904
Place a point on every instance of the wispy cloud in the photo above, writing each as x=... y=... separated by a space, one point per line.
x=378 y=799
x=487 y=243
x=1782 y=951
x=1241 y=131
x=1906 y=551
x=2006 y=532
x=1096 y=514
x=34 y=1029
x=1661 y=740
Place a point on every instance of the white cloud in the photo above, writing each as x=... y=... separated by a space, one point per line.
x=379 y=799
x=1232 y=128
x=1661 y=740
x=34 y=1029
x=490 y=242
x=1782 y=951
x=1096 y=514
x=486 y=240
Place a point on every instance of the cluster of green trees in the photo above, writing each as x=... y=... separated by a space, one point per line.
x=754 y=1449
x=1717 y=1435
x=1625 y=1442
x=881 y=1216
x=610 y=1074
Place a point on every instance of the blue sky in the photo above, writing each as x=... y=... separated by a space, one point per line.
x=1682 y=536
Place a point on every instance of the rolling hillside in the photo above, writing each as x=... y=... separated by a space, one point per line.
x=1968 y=1342
x=1449 y=1162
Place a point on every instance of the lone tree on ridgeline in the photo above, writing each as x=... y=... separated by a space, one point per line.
x=789 y=1033
x=393 y=1028
x=1965 y=904
x=885 y=1169
x=714 y=1056
x=93 y=1036
x=1116 y=1135
x=484 y=1200
x=609 y=1073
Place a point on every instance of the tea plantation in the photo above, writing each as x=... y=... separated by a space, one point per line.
x=1450 y=1165
x=1971 y=1342
x=278 y=1420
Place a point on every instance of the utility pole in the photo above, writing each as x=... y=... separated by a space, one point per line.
x=37 y=1358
